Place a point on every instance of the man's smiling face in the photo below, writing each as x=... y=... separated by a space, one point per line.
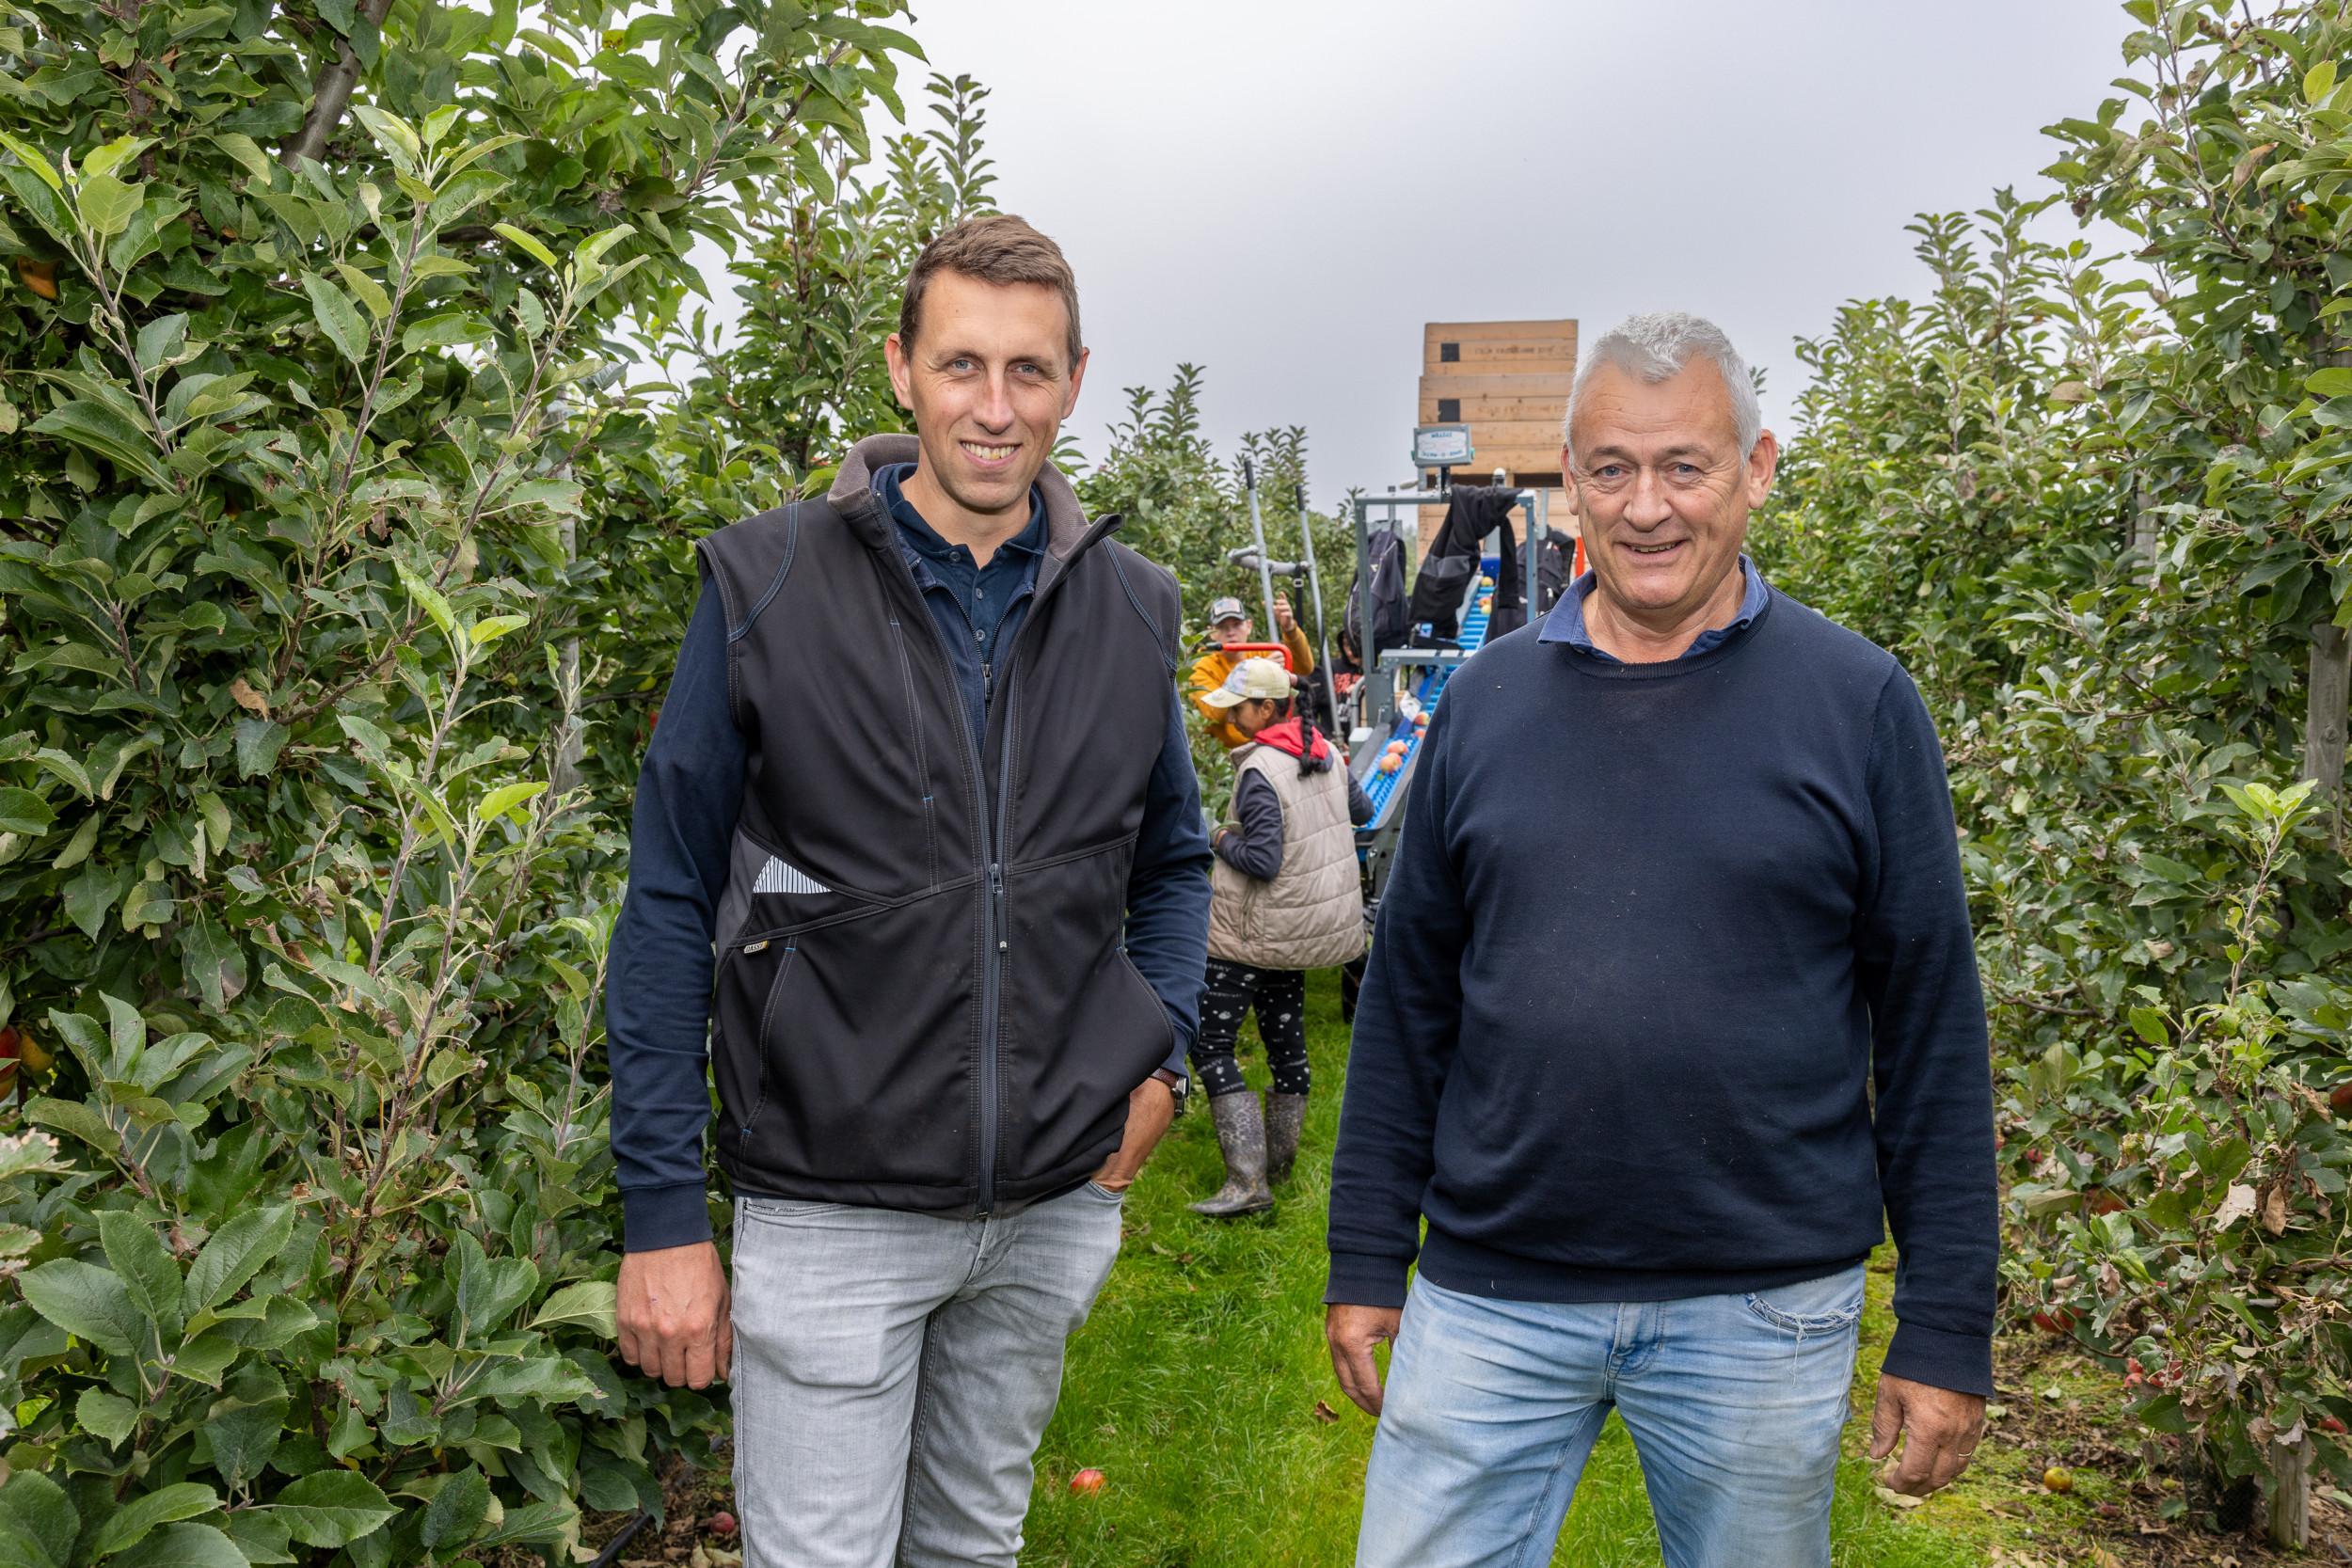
x=990 y=381
x=1661 y=486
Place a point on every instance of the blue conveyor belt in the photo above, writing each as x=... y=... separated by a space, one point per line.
x=1383 y=787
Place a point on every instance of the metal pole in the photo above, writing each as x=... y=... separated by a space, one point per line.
x=1364 y=659
x=1527 y=582
x=1257 y=533
x=1314 y=588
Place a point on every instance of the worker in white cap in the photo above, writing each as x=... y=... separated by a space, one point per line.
x=1285 y=897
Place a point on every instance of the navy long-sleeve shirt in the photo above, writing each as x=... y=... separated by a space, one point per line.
x=1635 y=1062
x=689 y=792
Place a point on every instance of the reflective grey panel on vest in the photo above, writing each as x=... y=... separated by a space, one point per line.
x=751 y=869
x=776 y=876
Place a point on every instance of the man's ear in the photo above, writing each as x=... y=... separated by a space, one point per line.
x=1763 y=464
x=1567 y=484
x=1077 y=374
x=902 y=373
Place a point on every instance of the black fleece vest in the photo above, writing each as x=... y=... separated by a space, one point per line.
x=923 y=997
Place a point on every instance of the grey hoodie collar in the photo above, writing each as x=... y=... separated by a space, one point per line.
x=852 y=494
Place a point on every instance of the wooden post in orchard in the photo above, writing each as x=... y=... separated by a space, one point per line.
x=2290 y=1494
x=2330 y=694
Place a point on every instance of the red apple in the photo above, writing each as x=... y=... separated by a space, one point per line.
x=2329 y=1423
x=1088 y=1481
x=722 y=1523
x=2100 y=1201
x=2056 y=1320
x=2340 y=1099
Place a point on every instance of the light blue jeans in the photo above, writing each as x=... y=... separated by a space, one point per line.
x=1492 y=1407
x=894 y=1371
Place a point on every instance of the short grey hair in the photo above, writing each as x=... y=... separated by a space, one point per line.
x=1657 y=346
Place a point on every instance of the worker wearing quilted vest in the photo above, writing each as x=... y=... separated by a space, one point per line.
x=1285 y=897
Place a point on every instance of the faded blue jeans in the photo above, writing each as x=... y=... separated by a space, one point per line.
x=1492 y=1407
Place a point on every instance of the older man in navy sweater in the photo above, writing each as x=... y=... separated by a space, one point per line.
x=1626 y=1074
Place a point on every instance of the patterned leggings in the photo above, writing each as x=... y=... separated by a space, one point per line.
x=1280 y=998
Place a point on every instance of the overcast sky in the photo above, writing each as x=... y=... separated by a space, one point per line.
x=1284 y=191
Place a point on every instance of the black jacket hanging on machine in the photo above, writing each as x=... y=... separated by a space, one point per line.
x=1391 y=625
x=1472 y=511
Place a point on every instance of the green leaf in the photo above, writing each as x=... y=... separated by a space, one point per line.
x=244 y=150
x=181 y=1546
x=393 y=135
x=78 y=1118
x=213 y=959
x=505 y=799
x=446 y=330
x=110 y=1415
x=143 y=1265
x=371 y=293
x=244 y=1437
x=260 y=1535
x=131 y=1523
x=236 y=1252
x=37 y=1524
x=109 y=434
x=83 y=1299
x=2319 y=82
x=106 y=205
x=161 y=338
x=592 y=1302
x=259 y=741
x=338 y=318
x=23 y=812
x=529 y=245
x=332 y=1507
x=33 y=161
x=107 y=159
x=2148 y=1023
x=430 y=597
x=591 y=253
x=456 y=1510
x=487 y=1289
x=2333 y=382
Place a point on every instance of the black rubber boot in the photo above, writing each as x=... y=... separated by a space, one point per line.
x=1241 y=1135
x=1285 y=1115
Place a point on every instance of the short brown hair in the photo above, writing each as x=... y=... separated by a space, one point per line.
x=996 y=248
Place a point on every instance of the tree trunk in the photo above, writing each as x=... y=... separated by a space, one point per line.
x=331 y=93
x=574 y=746
x=2144 y=541
x=2291 y=1494
x=2330 y=690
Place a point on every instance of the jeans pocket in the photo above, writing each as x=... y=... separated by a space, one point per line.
x=1812 y=1308
x=1096 y=1190
x=783 y=1210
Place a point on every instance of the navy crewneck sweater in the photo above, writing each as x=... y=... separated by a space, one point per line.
x=1654 y=932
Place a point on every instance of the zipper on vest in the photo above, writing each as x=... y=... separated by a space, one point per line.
x=990 y=983
x=992 y=926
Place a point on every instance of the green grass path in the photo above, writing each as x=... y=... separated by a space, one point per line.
x=1194 y=1389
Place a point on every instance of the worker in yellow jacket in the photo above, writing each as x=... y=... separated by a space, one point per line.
x=1229 y=624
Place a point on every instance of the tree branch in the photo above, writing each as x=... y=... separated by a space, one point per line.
x=330 y=95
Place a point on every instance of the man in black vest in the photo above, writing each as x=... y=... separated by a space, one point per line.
x=922 y=785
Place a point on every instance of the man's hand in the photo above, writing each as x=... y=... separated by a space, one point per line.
x=1285 y=621
x=672 y=1315
x=1939 y=1430
x=1352 y=1332
x=1150 y=1106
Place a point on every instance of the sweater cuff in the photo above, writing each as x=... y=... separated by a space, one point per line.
x=653 y=1218
x=1960 y=1362
x=1366 y=1279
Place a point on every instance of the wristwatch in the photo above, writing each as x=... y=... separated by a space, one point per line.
x=1179 y=1084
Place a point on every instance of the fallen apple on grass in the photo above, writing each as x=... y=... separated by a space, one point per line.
x=1088 y=1482
x=2058 y=1480
x=722 y=1523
